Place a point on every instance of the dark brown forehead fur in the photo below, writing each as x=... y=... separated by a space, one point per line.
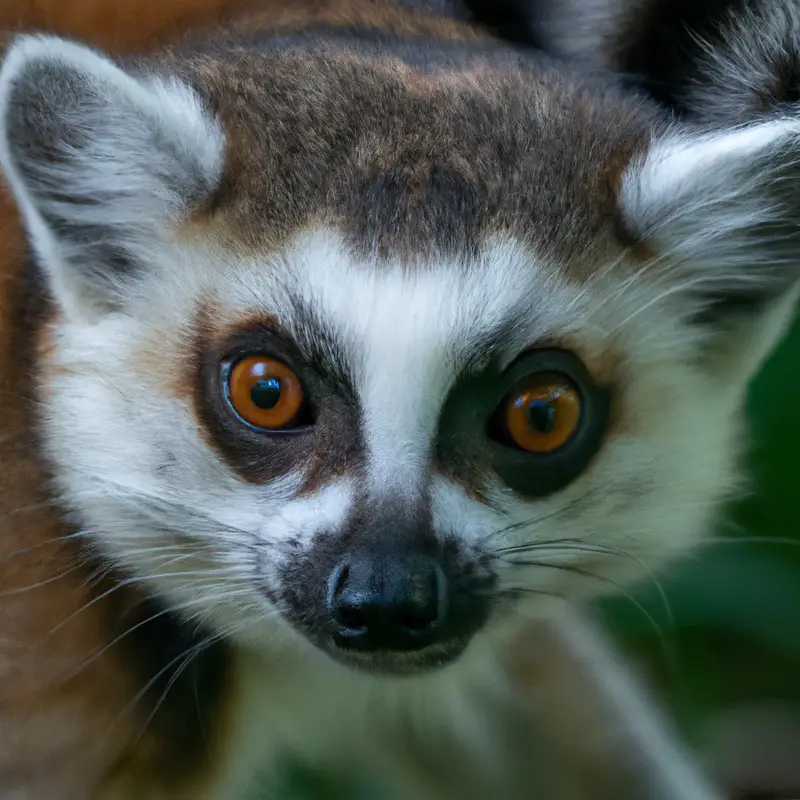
x=410 y=132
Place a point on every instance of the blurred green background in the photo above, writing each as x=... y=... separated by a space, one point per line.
x=734 y=686
x=727 y=662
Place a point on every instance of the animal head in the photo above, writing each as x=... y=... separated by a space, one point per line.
x=369 y=350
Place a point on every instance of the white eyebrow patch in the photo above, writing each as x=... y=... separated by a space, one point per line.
x=324 y=511
x=408 y=332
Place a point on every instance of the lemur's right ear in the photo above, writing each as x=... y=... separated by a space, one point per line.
x=101 y=164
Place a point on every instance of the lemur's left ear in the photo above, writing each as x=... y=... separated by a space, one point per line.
x=101 y=163
x=720 y=214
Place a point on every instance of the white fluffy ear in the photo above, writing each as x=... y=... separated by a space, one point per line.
x=100 y=163
x=721 y=214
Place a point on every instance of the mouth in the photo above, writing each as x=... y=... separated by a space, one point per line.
x=399 y=664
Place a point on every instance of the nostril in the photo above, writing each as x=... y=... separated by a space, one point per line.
x=428 y=602
x=338 y=580
x=351 y=618
x=416 y=622
x=347 y=612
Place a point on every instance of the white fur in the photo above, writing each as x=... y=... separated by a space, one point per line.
x=646 y=497
x=650 y=491
x=701 y=201
x=120 y=164
x=700 y=174
x=736 y=79
x=408 y=338
x=676 y=416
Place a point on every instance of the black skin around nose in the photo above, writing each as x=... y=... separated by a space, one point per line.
x=388 y=604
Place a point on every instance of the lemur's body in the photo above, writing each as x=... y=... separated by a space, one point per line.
x=512 y=309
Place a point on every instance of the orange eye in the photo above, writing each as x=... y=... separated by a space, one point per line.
x=265 y=392
x=543 y=413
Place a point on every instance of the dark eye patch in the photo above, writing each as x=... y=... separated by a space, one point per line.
x=327 y=440
x=474 y=439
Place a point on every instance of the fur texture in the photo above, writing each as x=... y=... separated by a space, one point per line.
x=413 y=214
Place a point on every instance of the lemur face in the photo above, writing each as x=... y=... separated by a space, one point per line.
x=375 y=352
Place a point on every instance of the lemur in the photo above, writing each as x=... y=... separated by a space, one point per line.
x=344 y=341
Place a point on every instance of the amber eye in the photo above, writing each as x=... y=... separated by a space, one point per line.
x=265 y=393
x=542 y=413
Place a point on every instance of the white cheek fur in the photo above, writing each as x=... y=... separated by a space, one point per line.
x=643 y=502
x=647 y=495
x=151 y=492
x=132 y=463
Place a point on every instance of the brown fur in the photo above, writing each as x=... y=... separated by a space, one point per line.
x=50 y=719
x=70 y=728
x=116 y=26
x=417 y=173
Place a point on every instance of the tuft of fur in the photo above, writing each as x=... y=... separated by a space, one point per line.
x=99 y=162
x=720 y=62
x=733 y=189
x=751 y=69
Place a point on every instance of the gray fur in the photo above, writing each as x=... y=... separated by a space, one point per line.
x=752 y=69
x=102 y=162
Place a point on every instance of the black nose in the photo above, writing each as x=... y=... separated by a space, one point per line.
x=387 y=604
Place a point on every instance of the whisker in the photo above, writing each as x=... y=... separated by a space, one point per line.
x=120 y=584
x=667 y=648
x=594 y=548
x=513 y=591
x=157 y=503
x=190 y=657
x=30 y=507
x=115 y=588
x=674 y=289
x=143 y=691
x=726 y=540
x=568 y=545
x=598 y=277
x=204 y=601
x=39 y=584
x=515 y=526
x=99 y=653
x=33 y=547
x=185 y=658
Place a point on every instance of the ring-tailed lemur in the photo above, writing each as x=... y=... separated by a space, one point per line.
x=351 y=337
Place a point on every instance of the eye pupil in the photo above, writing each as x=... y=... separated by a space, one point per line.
x=542 y=416
x=266 y=393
